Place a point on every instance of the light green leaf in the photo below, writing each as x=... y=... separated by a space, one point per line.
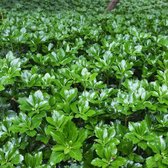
x=56 y=157
x=76 y=154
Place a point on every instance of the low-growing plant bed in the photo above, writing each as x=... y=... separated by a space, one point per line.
x=82 y=87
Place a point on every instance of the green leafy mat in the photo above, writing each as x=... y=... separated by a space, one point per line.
x=81 y=87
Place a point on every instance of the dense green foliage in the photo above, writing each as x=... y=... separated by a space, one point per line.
x=81 y=87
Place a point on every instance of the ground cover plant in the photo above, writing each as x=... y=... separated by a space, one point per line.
x=81 y=87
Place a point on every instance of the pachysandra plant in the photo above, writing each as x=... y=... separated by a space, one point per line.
x=83 y=88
